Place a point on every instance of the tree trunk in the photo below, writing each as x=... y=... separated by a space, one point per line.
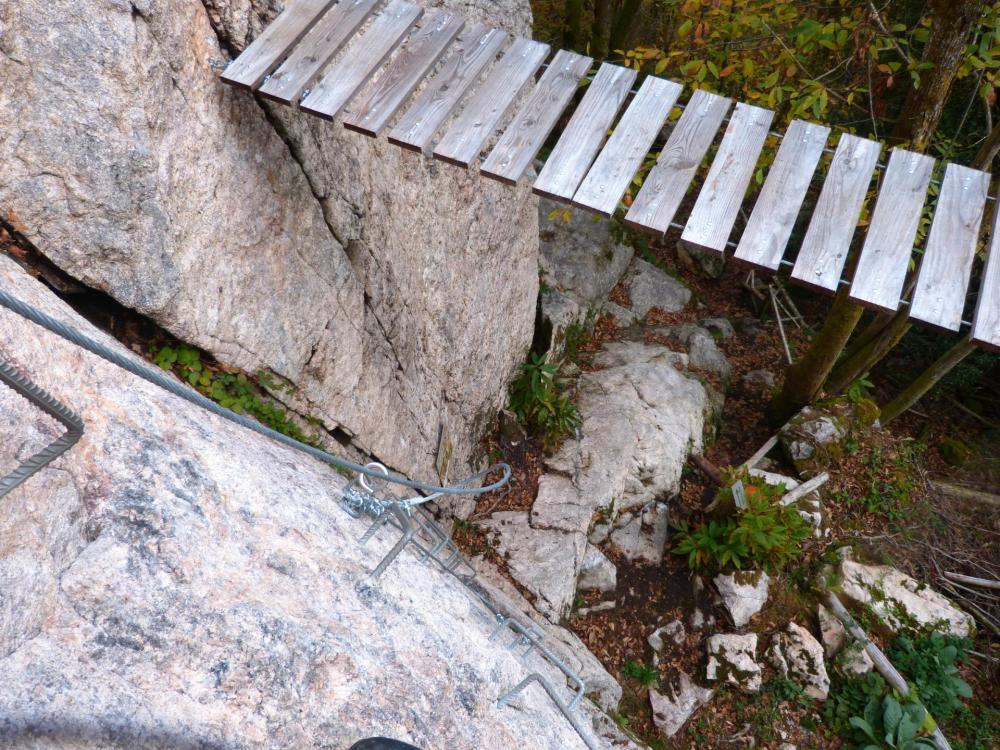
x=804 y=378
x=858 y=363
x=601 y=29
x=622 y=27
x=572 y=31
x=952 y=25
x=927 y=379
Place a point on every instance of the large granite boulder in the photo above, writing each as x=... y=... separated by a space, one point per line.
x=178 y=581
x=361 y=273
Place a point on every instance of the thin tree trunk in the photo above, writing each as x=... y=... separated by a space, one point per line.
x=855 y=365
x=927 y=379
x=988 y=150
x=622 y=26
x=573 y=30
x=805 y=377
x=601 y=29
x=952 y=24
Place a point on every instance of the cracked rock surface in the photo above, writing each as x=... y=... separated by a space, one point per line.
x=183 y=582
x=361 y=273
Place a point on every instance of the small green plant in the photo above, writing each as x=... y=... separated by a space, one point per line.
x=931 y=663
x=891 y=724
x=764 y=534
x=849 y=696
x=233 y=390
x=859 y=389
x=891 y=478
x=537 y=398
x=646 y=674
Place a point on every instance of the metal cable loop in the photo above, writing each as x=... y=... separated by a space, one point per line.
x=160 y=379
x=45 y=401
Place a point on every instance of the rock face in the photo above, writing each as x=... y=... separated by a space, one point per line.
x=597 y=572
x=671 y=711
x=799 y=656
x=813 y=438
x=897 y=600
x=194 y=584
x=643 y=535
x=649 y=287
x=744 y=594
x=733 y=659
x=361 y=273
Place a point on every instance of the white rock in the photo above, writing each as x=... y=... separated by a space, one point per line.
x=799 y=656
x=759 y=381
x=732 y=658
x=744 y=594
x=896 y=598
x=832 y=631
x=597 y=572
x=854 y=660
x=186 y=582
x=544 y=561
x=672 y=711
x=624 y=353
x=622 y=316
x=644 y=535
x=650 y=287
x=672 y=632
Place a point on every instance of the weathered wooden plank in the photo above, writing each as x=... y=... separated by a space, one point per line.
x=885 y=256
x=828 y=238
x=622 y=155
x=482 y=113
x=986 y=323
x=370 y=50
x=664 y=187
x=526 y=133
x=313 y=53
x=770 y=225
x=714 y=213
x=579 y=143
x=266 y=51
x=402 y=76
x=946 y=265
x=477 y=47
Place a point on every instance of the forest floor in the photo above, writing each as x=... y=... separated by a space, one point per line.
x=880 y=498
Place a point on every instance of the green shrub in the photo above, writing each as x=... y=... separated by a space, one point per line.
x=646 y=674
x=537 y=398
x=849 y=696
x=891 y=724
x=930 y=663
x=765 y=534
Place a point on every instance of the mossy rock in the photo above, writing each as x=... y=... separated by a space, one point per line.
x=954 y=451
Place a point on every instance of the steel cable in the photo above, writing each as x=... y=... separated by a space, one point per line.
x=163 y=381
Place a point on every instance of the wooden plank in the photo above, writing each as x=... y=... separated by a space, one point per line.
x=828 y=238
x=664 y=187
x=475 y=124
x=477 y=47
x=622 y=155
x=986 y=323
x=885 y=256
x=766 y=234
x=364 y=57
x=579 y=143
x=420 y=53
x=266 y=51
x=313 y=54
x=527 y=132
x=946 y=265
x=718 y=205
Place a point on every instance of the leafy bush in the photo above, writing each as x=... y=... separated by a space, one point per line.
x=931 y=664
x=849 y=696
x=233 y=390
x=891 y=724
x=765 y=534
x=537 y=398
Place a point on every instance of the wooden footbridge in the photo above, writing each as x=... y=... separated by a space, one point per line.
x=470 y=96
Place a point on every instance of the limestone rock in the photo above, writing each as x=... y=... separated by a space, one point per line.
x=360 y=273
x=897 y=600
x=706 y=262
x=672 y=632
x=628 y=353
x=621 y=316
x=854 y=660
x=650 y=287
x=813 y=439
x=744 y=594
x=672 y=711
x=194 y=584
x=799 y=656
x=597 y=572
x=732 y=658
x=642 y=536
x=581 y=258
x=719 y=327
x=703 y=352
x=544 y=561
x=832 y=631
